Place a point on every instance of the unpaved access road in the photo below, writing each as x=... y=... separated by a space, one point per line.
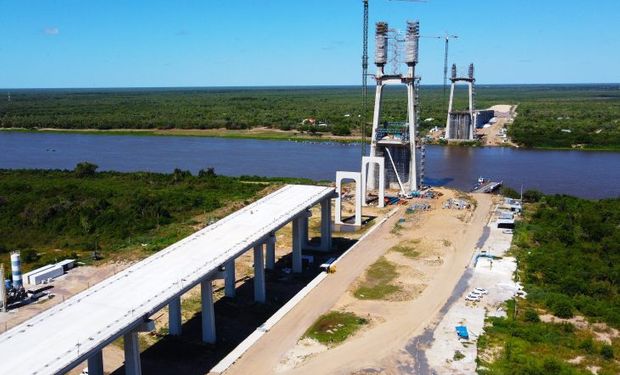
x=380 y=348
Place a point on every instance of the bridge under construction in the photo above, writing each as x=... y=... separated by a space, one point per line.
x=76 y=330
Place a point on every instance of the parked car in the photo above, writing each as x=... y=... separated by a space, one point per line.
x=472 y=298
x=481 y=291
x=508 y=231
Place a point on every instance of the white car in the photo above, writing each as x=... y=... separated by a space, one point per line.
x=481 y=291
x=472 y=298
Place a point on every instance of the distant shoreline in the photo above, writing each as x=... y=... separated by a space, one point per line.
x=265 y=134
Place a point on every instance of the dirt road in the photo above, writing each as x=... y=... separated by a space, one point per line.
x=381 y=346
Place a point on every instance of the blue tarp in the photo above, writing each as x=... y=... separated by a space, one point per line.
x=462 y=332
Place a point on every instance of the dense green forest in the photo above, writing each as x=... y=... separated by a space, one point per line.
x=548 y=115
x=568 y=252
x=51 y=214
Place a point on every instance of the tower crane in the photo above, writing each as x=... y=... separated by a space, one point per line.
x=365 y=68
x=446 y=37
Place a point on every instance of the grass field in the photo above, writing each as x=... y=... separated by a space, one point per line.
x=376 y=284
x=334 y=327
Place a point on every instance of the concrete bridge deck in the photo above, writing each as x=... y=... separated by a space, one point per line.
x=60 y=338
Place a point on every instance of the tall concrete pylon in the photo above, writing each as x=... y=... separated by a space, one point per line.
x=461 y=125
x=399 y=137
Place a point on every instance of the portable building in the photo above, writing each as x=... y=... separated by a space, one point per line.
x=35 y=271
x=66 y=264
x=51 y=273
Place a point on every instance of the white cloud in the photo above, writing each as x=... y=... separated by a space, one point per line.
x=51 y=31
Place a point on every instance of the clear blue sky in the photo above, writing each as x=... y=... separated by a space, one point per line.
x=129 y=43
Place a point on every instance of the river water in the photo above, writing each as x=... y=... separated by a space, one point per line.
x=585 y=174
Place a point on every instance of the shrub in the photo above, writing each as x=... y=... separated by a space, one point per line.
x=532 y=196
x=85 y=169
x=607 y=351
x=341 y=130
x=531 y=316
x=563 y=309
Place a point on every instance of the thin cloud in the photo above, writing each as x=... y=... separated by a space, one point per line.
x=51 y=31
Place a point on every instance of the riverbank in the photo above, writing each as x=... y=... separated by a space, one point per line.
x=261 y=133
x=268 y=134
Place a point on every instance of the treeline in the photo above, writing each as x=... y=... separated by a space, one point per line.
x=568 y=253
x=549 y=115
x=53 y=213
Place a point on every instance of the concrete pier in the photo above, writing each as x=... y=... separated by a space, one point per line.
x=95 y=364
x=259 y=274
x=132 y=354
x=270 y=252
x=326 y=225
x=174 y=317
x=208 y=315
x=229 y=282
x=297 y=243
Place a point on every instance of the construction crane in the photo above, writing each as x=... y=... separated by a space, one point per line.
x=446 y=37
x=365 y=68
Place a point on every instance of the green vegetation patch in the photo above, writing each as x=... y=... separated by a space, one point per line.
x=407 y=248
x=51 y=214
x=377 y=281
x=334 y=327
x=568 y=251
x=529 y=346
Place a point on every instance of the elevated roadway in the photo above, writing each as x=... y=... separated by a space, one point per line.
x=76 y=330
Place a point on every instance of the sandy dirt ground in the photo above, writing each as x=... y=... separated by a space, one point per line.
x=495 y=275
x=73 y=282
x=445 y=239
x=491 y=135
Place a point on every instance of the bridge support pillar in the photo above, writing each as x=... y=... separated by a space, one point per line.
x=297 y=244
x=270 y=252
x=305 y=241
x=132 y=354
x=95 y=363
x=208 y=314
x=229 y=281
x=259 y=274
x=174 y=317
x=326 y=224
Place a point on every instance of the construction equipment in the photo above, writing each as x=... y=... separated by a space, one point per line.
x=447 y=38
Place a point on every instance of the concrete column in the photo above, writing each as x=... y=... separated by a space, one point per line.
x=259 y=274
x=326 y=224
x=95 y=363
x=208 y=315
x=297 y=244
x=449 y=135
x=174 y=317
x=132 y=354
x=373 y=144
x=270 y=252
x=304 y=231
x=229 y=281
